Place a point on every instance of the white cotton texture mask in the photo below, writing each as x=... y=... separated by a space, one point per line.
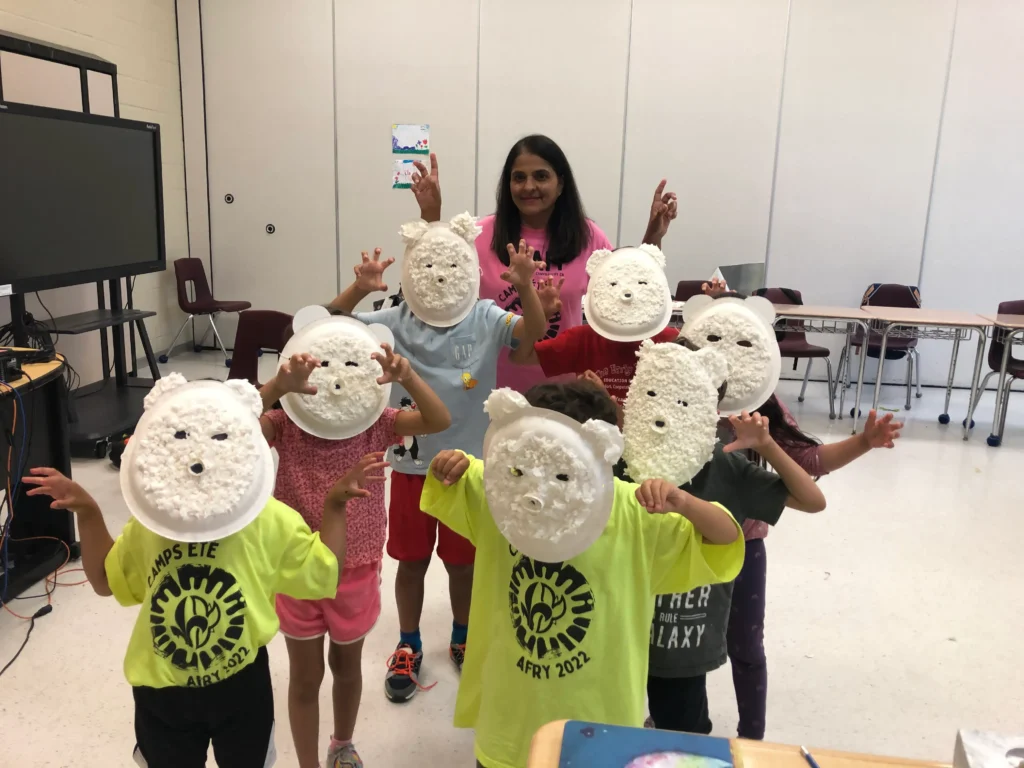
x=741 y=330
x=548 y=478
x=348 y=399
x=670 y=416
x=198 y=467
x=628 y=297
x=441 y=269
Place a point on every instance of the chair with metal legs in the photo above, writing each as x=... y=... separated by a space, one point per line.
x=200 y=303
x=1006 y=366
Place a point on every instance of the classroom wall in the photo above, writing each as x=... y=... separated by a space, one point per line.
x=819 y=136
x=140 y=37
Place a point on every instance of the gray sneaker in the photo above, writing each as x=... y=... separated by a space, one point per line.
x=402 y=680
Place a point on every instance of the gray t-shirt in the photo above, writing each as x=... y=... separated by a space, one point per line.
x=688 y=633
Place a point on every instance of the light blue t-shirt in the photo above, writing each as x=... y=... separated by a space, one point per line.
x=459 y=363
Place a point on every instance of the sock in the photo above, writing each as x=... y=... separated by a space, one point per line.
x=412 y=639
x=459 y=632
x=337 y=744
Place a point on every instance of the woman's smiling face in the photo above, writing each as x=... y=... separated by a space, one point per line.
x=534 y=185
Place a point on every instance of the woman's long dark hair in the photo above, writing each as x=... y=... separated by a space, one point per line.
x=568 y=232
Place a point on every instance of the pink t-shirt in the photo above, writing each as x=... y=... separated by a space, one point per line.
x=520 y=377
x=308 y=466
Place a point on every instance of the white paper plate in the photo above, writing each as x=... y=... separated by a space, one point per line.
x=627 y=282
x=434 y=317
x=221 y=523
x=627 y=333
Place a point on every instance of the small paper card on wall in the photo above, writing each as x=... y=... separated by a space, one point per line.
x=401 y=176
x=410 y=139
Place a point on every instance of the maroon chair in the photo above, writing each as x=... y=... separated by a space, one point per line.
x=887 y=295
x=1014 y=371
x=687 y=289
x=199 y=303
x=793 y=344
x=259 y=330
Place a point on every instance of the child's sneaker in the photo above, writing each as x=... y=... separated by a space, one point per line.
x=344 y=757
x=402 y=680
x=457 y=653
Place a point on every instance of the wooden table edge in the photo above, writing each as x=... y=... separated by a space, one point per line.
x=1012 y=325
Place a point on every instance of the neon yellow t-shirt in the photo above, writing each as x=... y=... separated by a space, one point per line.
x=552 y=641
x=208 y=607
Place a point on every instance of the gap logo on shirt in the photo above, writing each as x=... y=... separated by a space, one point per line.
x=551 y=606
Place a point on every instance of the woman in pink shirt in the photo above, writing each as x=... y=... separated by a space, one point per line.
x=537 y=202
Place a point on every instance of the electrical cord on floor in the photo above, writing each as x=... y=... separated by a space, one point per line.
x=31 y=625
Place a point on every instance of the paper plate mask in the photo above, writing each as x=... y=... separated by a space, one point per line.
x=348 y=399
x=441 y=270
x=628 y=298
x=198 y=467
x=741 y=329
x=548 y=478
x=671 y=412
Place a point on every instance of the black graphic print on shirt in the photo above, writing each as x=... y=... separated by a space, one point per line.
x=510 y=300
x=551 y=607
x=410 y=446
x=197 y=614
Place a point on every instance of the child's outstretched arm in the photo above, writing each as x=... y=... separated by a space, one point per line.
x=334 y=526
x=534 y=324
x=752 y=433
x=369 y=279
x=710 y=521
x=431 y=416
x=878 y=433
x=95 y=538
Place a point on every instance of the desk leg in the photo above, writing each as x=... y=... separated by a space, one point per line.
x=944 y=416
x=1003 y=390
x=860 y=373
x=975 y=395
x=881 y=365
x=842 y=375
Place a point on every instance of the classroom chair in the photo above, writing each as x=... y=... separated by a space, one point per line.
x=201 y=302
x=793 y=343
x=1014 y=371
x=259 y=330
x=687 y=289
x=887 y=295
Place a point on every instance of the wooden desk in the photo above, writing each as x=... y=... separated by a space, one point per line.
x=546 y=749
x=1013 y=326
x=819 y=311
x=40 y=373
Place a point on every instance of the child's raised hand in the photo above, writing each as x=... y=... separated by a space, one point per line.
x=427 y=188
x=550 y=294
x=664 y=210
x=715 y=288
x=521 y=266
x=659 y=496
x=396 y=368
x=449 y=466
x=881 y=432
x=751 y=432
x=353 y=485
x=370 y=272
x=293 y=375
x=594 y=379
x=65 y=492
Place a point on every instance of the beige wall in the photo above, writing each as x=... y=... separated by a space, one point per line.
x=140 y=37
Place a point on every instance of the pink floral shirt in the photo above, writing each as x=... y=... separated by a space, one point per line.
x=308 y=466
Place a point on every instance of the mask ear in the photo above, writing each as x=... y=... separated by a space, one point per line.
x=596 y=259
x=383 y=334
x=761 y=307
x=464 y=225
x=606 y=440
x=504 y=404
x=714 y=363
x=645 y=347
x=248 y=394
x=655 y=253
x=308 y=315
x=162 y=386
x=694 y=306
x=413 y=232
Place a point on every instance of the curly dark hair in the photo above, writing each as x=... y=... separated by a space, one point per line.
x=579 y=400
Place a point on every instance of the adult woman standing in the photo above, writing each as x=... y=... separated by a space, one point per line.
x=537 y=201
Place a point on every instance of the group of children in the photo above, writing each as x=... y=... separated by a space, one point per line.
x=535 y=641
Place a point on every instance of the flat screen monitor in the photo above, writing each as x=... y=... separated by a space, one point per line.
x=80 y=198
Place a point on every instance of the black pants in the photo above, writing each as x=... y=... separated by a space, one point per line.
x=174 y=726
x=679 y=703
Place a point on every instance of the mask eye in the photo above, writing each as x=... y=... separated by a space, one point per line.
x=221 y=436
x=430 y=266
x=744 y=343
x=641 y=282
x=516 y=471
x=325 y=363
x=455 y=266
x=651 y=393
x=614 y=284
x=563 y=477
x=352 y=364
x=181 y=434
x=682 y=403
x=713 y=339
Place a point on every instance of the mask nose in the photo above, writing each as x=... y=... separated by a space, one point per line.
x=196 y=468
x=337 y=387
x=660 y=424
x=627 y=295
x=536 y=503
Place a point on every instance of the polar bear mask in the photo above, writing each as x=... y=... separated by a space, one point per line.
x=670 y=415
x=628 y=297
x=198 y=467
x=441 y=269
x=548 y=478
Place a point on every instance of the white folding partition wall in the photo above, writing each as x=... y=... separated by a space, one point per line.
x=804 y=130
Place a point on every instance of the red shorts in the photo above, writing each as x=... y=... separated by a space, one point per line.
x=345 y=618
x=412 y=532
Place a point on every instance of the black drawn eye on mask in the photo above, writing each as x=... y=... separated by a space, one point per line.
x=563 y=477
x=351 y=364
x=714 y=339
x=325 y=363
x=221 y=436
x=744 y=343
x=181 y=434
x=651 y=393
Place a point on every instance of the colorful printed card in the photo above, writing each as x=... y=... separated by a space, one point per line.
x=592 y=745
x=401 y=176
x=410 y=139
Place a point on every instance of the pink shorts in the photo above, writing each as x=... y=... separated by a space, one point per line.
x=346 y=618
